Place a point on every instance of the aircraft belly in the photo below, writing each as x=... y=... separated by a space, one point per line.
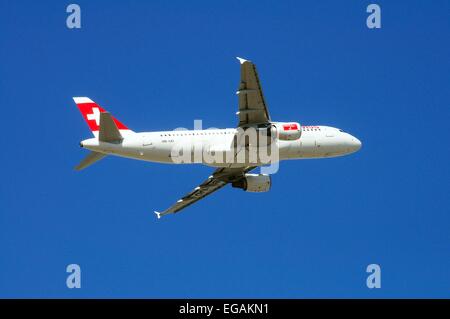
x=307 y=148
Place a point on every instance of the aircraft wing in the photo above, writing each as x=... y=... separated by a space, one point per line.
x=220 y=178
x=252 y=105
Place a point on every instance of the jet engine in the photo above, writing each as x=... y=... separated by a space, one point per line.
x=256 y=183
x=287 y=131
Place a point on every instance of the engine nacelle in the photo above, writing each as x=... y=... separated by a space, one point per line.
x=256 y=183
x=287 y=131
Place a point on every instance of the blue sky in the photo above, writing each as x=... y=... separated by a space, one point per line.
x=160 y=65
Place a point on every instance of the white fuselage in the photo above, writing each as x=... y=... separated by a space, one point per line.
x=315 y=142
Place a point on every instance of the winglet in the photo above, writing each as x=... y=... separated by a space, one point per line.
x=158 y=214
x=241 y=60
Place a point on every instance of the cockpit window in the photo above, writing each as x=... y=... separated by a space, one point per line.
x=341 y=131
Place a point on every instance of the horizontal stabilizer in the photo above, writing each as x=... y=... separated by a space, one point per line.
x=108 y=129
x=89 y=160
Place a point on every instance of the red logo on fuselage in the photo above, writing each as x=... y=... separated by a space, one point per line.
x=290 y=127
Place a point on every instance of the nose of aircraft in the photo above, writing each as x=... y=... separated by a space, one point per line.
x=355 y=144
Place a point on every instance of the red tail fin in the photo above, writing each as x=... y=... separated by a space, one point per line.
x=91 y=114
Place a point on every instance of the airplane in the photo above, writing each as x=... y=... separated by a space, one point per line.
x=290 y=140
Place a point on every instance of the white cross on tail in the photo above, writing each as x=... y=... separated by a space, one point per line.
x=94 y=116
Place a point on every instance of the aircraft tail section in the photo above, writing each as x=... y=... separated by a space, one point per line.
x=91 y=112
x=108 y=133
